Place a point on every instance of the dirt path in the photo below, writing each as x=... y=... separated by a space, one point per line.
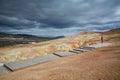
x=99 y=64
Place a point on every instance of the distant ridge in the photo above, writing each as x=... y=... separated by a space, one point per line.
x=12 y=39
x=113 y=31
x=2 y=34
x=60 y=37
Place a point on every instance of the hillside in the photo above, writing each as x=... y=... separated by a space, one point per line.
x=99 y=64
x=113 y=31
x=24 y=51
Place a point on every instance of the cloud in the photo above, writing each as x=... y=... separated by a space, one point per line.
x=17 y=23
x=58 y=17
x=117 y=12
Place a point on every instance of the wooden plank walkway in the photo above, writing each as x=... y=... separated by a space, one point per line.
x=29 y=62
x=88 y=48
x=81 y=50
x=13 y=66
x=75 y=51
x=3 y=70
x=62 y=54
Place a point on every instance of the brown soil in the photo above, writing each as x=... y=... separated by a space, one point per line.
x=99 y=64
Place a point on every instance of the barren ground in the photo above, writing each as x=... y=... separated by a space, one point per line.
x=99 y=64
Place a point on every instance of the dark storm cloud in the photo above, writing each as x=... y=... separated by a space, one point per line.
x=58 y=17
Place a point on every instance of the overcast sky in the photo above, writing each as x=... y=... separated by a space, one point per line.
x=58 y=17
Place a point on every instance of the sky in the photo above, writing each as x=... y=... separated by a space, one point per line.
x=58 y=17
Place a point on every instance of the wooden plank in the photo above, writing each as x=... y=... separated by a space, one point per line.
x=29 y=62
x=75 y=51
x=88 y=48
x=3 y=70
x=81 y=50
x=62 y=54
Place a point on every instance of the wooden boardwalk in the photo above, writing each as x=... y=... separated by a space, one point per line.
x=13 y=66
x=62 y=54
x=29 y=62
x=3 y=70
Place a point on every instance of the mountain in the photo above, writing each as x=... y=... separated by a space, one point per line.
x=13 y=39
x=60 y=37
x=2 y=34
x=113 y=31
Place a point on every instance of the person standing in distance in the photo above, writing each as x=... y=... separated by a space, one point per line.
x=102 y=39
